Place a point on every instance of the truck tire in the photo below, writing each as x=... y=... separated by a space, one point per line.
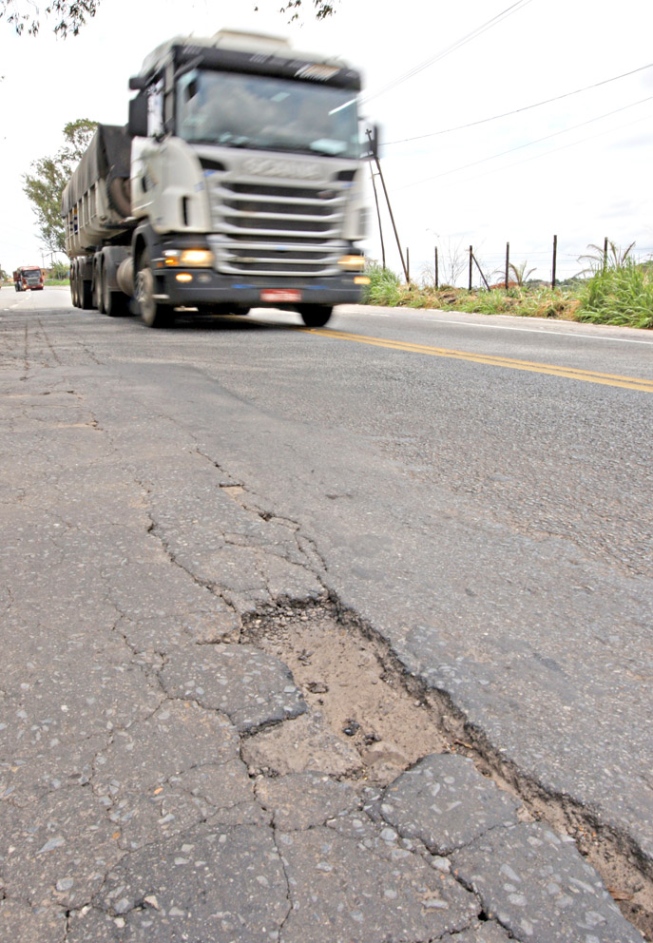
x=153 y=313
x=86 y=294
x=98 y=288
x=74 y=287
x=315 y=315
x=114 y=303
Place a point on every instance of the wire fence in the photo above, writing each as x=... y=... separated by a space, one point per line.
x=471 y=267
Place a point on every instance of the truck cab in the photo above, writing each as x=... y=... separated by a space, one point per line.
x=28 y=278
x=247 y=177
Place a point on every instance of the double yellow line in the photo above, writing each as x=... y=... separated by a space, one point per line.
x=568 y=373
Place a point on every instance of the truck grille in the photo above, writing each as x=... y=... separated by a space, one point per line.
x=286 y=230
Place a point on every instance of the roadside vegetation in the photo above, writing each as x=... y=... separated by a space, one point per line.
x=614 y=289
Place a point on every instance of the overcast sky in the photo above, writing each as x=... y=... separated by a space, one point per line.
x=579 y=167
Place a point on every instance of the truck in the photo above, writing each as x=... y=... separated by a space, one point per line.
x=237 y=183
x=28 y=278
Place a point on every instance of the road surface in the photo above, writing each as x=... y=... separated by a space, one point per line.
x=472 y=494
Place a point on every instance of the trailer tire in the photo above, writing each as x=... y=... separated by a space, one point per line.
x=98 y=287
x=153 y=313
x=74 y=287
x=86 y=294
x=315 y=315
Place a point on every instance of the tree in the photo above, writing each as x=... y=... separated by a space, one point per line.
x=294 y=8
x=69 y=15
x=59 y=270
x=45 y=185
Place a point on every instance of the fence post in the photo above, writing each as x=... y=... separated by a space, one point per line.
x=605 y=253
x=507 y=265
x=471 y=263
x=555 y=260
x=407 y=265
x=437 y=274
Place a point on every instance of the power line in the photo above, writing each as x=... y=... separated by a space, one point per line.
x=516 y=111
x=449 y=49
x=535 y=156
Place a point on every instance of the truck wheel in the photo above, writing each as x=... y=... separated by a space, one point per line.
x=114 y=303
x=98 y=288
x=85 y=294
x=153 y=313
x=315 y=315
x=74 y=288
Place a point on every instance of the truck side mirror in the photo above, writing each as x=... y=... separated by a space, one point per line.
x=137 y=124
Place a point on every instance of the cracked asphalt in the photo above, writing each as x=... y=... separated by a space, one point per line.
x=135 y=548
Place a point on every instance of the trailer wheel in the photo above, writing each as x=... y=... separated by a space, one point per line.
x=86 y=294
x=153 y=313
x=74 y=287
x=315 y=315
x=98 y=287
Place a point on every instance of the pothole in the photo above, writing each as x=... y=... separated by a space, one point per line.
x=350 y=694
x=368 y=721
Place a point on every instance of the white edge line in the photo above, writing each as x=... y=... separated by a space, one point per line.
x=524 y=330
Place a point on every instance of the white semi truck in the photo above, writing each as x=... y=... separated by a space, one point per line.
x=237 y=183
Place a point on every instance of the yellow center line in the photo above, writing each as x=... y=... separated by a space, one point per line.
x=569 y=373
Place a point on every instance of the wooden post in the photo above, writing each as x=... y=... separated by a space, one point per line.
x=507 y=264
x=605 y=253
x=555 y=260
x=437 y=274
x=407 y=265
x=471 y=263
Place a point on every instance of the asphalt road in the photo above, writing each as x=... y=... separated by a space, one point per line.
x=477 y=490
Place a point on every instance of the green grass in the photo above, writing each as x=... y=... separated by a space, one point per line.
x=387 y=290
x=621 y=295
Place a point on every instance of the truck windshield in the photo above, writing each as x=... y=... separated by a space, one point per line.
x=235 y=110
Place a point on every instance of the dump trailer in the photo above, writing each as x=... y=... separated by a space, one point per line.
x=28 y=278
x=237 y=183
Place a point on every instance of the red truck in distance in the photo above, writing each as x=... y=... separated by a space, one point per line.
x=28 y=277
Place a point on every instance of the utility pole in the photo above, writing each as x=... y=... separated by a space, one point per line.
x=378 y=216
x=392 y=218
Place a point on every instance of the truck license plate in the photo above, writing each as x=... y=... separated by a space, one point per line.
x=281 y=295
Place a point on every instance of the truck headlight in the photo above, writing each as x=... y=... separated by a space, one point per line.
x=188 y=258
x=352 y=263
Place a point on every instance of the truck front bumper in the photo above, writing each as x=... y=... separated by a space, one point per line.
x=205 y=288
